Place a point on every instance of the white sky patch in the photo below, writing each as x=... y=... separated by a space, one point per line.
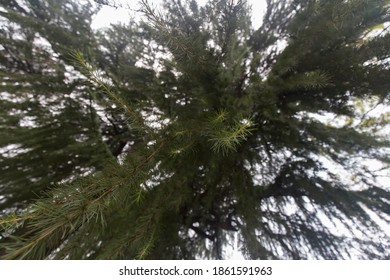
x=42 y=42
x=27 y=121
x=233 y=251
x=378 y=220
x=154 y=119
x=109 y=15
x=23 y=5
x=71 y=74
x=10 y=97
x=13 y=150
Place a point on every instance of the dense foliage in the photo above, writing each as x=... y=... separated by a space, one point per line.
x=176 y=136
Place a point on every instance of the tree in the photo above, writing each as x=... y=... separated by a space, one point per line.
x=48 y=129
x=210 y=129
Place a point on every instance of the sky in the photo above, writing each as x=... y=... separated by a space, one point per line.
x=109 y=15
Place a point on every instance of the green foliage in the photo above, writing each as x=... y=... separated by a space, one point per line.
x=104 y=84
x=48 y=123
x=165 y=139
x=227 y=137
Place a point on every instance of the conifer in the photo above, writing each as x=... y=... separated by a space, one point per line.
x=188 y=130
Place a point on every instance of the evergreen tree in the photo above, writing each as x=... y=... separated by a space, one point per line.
x=198 y=129
x=48 y=129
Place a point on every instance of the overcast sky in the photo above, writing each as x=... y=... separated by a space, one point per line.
x=111 y=15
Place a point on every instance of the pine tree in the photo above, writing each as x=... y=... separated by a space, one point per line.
x=204 y=130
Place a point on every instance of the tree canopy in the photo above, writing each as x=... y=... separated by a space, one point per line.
x=175 y=136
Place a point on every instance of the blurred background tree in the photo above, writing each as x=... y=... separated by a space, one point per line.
x=170 y=138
